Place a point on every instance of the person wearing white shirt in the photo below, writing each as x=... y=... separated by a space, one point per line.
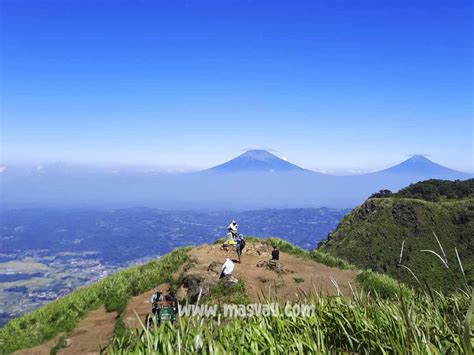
x=227 y=268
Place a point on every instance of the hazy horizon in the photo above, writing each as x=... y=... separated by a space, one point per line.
x=117 y=167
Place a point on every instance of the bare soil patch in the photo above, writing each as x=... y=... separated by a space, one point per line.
x=311 y=277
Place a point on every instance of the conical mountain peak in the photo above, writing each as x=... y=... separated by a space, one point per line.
x=257 y=160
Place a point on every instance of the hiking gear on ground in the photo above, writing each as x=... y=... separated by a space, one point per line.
x=230 y=239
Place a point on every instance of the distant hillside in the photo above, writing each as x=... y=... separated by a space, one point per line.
x=371 y=235
x=433 y=190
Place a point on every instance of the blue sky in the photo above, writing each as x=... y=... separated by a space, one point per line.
x=331 y=85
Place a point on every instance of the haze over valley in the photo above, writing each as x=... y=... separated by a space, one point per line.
x=254 y=179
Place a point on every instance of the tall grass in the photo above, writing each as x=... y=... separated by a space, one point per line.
x=362 y=324
x=62 y=315
x=383 y=285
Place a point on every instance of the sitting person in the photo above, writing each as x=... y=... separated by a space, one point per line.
x=155 y=298
x=275 y=253
x=227 y=268
x=172 y=299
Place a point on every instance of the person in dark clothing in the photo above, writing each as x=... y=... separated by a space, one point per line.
x=155 y=298
x=171 y=297
x=240 y=245
x=275 y=253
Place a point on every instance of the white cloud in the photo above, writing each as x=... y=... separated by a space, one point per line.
x=2 y=168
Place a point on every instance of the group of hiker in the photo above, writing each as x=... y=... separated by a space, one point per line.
x=234 y=238
x=159 y=297
x=164 y=307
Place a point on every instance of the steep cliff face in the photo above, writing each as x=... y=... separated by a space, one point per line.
x=371 y=236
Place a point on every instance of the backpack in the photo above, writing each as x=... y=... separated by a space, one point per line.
x=242 y=244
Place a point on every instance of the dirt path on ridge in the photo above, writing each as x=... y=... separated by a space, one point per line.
x=302 y=277
x=93 y=331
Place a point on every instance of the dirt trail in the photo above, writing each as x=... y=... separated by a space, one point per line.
x=92 y=332
x=141 y=306
x=302 y=276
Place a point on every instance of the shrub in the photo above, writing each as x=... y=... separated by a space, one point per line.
x=383 y=285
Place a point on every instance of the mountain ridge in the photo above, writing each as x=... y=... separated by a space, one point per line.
x=371 y=235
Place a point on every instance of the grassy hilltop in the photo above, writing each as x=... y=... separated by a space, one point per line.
x=379 y=315
x=371 y=236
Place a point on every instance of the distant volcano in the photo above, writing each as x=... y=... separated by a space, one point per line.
x=419 y=165
x=255 y=179
x=257 y=160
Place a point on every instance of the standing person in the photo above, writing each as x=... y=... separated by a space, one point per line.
x=240 y=245
x=227 y=268
x=233 y=229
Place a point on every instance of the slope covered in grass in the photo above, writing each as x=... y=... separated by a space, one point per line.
x=371 y=237
x=62 y=315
